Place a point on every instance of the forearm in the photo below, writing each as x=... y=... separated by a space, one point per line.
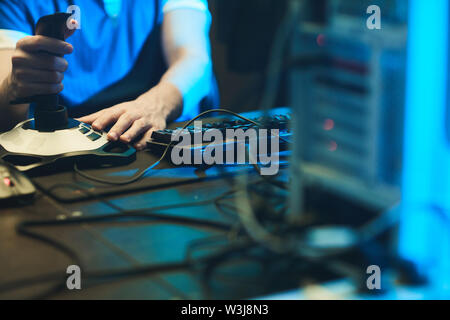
x=135 y=121
x=191 y=74
x=187 y=50
x=170 y=100
x=182 y=87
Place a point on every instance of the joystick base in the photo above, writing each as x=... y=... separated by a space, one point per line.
x=51 y=120
x=26 y=147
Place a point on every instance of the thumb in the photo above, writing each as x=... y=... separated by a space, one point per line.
x=70 y=29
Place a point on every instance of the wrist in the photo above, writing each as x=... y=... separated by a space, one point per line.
x=165 y=99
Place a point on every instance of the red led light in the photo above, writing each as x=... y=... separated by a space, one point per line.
x=320 y=40
x=333 y=146
x=328 y=125
x=7 y=181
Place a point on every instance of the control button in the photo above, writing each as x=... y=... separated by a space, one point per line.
x=94 y=136
x=84 y=130
x=8 y=182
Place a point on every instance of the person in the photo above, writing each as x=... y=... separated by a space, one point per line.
x=129 y=69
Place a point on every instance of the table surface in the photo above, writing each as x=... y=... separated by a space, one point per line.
x=119 y=245
x=133 y=244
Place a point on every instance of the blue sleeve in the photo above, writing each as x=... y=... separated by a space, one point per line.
x=14 y=15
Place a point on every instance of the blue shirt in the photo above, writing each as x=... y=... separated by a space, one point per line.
x=115 y=58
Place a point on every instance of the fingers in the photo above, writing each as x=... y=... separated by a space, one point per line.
x=155 y=125
x=91 y=118
x=141 y=131
x=42 y=43
x=28 y=81
x=107 y=117
x=130 y=125
x=34 y=70
x=140 y=145
x=124 y=122
x=72 y=26
x=69 y=33
x=40 y=61
x=136 y=130
x=34 y=75
x=22 y=90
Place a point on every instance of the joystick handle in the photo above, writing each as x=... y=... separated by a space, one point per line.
x=49 y=115
x=53 y=26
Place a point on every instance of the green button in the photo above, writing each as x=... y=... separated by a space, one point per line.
x=84 y=130
x=94 y=136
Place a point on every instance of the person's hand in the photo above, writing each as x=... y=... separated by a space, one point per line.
x=34 y=70
x=135 y=121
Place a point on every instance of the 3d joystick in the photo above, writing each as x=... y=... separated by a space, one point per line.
x=49 y=115
x=51 y=135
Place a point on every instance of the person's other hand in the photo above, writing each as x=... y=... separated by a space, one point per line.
x=34 y=70
x=135 y=121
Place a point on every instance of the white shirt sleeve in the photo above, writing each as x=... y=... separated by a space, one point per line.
x=9 y=38
x=170 y=5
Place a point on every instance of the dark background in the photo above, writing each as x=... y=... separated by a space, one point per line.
x=241 y=36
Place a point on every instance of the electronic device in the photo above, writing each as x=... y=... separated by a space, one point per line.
x=348 y=122
x=51 y=135
x=161 y=139
x=14 y=184
x=280 y=122
x=357 y=136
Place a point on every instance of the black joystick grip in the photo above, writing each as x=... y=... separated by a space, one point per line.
x=53 y=26
x=49 y=115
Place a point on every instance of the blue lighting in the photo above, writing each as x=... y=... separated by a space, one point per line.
x=425 y=233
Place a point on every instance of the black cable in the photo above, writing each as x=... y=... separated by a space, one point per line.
x=143 y=210
x=272 y=71
x=148 y=213
x=139 y=175
x=154 y=217
x=136 y=213
x=24 y=229
x=273 y=74
x=203 y=270
x=53 y=277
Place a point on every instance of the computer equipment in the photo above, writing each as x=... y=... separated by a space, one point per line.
x=162 y=139
x=51 y=135
x=280 y=122
x=14 y=184
x=347 y=95
x=371 y=121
